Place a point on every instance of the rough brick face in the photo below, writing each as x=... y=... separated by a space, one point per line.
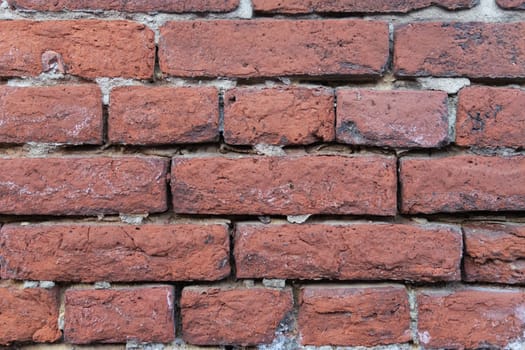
x=215 y=316
x=284 y=185
x=127 y=5
x=265 y=48
x=495 y=253
x=69 y=114
x=90 y=253
x=279 y=116
x=477 y=50
x=28 y=315
x=354 y=316
x=511 y=4
x=392 y=118
x=118 y=315
x=348 y=252
x=479 y=318
x=491 y=117
x=87 y=48
x=82 y=185
x=367 y=6
x=163 y=115
x=462 y=183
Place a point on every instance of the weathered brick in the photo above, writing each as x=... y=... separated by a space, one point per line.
x=87 y=48
x=511 y=4
x=127 y=5
x=354 y=316
x=495 y=253
x=83 y=185
x=118 y=315
x=163 y=115
x=290 y=185
x=90 y=253
x=359 y=6
x=68 y=114
x=462 y=183
x=232 y=316
x=392 y=118
x=28 y=315
x=471 y=318
x=282 y=116
x=477 y=50
x=491 y=117
x=348 y=252
x=268 y=47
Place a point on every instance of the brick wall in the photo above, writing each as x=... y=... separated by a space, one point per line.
x=262 y=174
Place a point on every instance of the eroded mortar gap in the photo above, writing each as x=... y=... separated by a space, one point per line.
x=463 y=254
x=178 y=310
x=232 y=228
x=221 y=115
x=399 y=187
x=105 y=126
x=412 y=301
x=157 y=72
x=169 y=194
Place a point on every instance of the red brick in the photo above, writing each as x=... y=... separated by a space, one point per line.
x=477 y=50
x=90 y=253
x=82 y=185
x=348 y=252
x=267 y=47
x=128 y=5
x=511 y=4
x=392 y=118
x=282 y=116
x=118 y=315
x=28 y=315
x=354 y=316
x=86 y=48
x=290 y=185
x=162 y=115
x=370 y=6
x=68 y=114
x=491 y=117
x=462 y=183
x=232 y=316
x=471 y=318
x=495 y=253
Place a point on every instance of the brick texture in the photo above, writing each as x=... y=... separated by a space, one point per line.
x=359 y=6
x=495 y=253
x=68 y=114
x=354 y=316
x=35 y=309
x=284 y=185
x=127 y=5
x=82 y=185
x=348 y=252
x=491 y=117
x=511 y=4
x=282 y=116
x=477 y=50
x=115 y=316
x=213 y=315
x=86 y=48
x=480 y=318
x=462 y=183
x=265 y=48
x=163 y=115
x=392 y=118
x=90 y=253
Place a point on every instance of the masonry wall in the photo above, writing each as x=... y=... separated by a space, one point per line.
x=262 y=174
